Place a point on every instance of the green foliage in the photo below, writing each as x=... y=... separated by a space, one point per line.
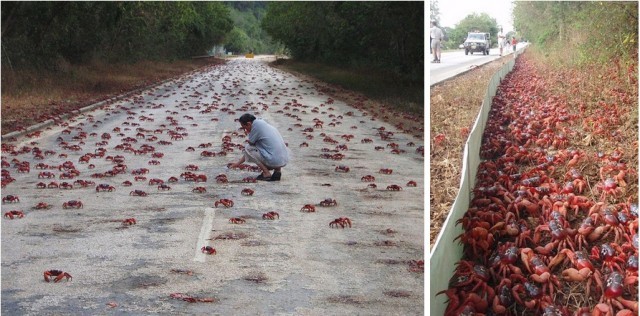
x=434 y=11
x=238 y=42
x=384 y=35
x=247 y=35
x=582 y=32
x=37 y=34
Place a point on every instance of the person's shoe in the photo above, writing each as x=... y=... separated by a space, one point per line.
x=263 y=178
x=275 y=176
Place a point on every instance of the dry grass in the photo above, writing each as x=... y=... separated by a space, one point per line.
x=454 y=106
x=30 y=96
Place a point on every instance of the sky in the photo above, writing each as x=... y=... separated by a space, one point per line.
x=453 y=11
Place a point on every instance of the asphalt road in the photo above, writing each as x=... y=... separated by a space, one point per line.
x=294 y=265
x=456 y=62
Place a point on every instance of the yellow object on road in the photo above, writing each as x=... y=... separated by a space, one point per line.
x=248 y=55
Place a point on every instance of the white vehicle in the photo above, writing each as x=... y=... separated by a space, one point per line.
x=477 y=42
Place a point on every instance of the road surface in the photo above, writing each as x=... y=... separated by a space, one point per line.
x=294 y=265
x=456 y=62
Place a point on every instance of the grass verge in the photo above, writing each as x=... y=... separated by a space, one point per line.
x=30 y=96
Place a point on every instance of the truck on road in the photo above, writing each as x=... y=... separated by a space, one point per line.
x=477 y=42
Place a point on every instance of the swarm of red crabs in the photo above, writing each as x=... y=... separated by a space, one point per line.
x=552 y=226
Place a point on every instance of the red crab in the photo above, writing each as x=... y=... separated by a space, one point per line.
x=612 y=256
x=540 y=272
x=309 y=208
x=10 y=199
x=155 y=181
x=236 y=220
x=247 y=191
x=127 y=183
x=386 y=171
x=199 y=190
x=72 y=204
x=66 y=185
x=208 y=250
x=612 y=296
x=41 y=185
x=56 y=273
x=192 y=168
x=138 y=193
x=224 y=202
x=328 y=202
x=42 y=205
x=394 y=187
x=164 y=187
x=53 y=185
x=561 y=238
x=342 y=221
x=583 y=270
x=12 y=214
x=503 y=262
x=222 y=178
x=129 y=221
x=368 y=178
x=46 y=174
x=270 y=215
x=412 y=184
x=105 y=187
x=609 y=187
x=342 y=168
x=416 y=266
x=249 y=180
x=474 y=276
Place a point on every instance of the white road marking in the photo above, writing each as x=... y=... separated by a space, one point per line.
x=207 y=225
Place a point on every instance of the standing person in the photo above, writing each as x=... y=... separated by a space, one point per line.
x=266 y=148
x=513 y=43
x=501 y=41
x=436 y=35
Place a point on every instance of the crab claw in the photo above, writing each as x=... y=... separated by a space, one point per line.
x=525 y=254
x=574 y=275
x=597 y=233
x=602 y=310
x=632 y=305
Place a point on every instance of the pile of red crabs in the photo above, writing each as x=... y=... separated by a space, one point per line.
x=552 y=226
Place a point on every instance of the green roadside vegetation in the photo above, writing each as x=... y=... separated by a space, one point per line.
x=580 y=34
x=60 y=56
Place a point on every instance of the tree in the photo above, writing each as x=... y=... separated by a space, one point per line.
x=472 y=23
x=384 y=35
x=609 y=27
x=38 y=34
x=237 y=41
x=434 y=11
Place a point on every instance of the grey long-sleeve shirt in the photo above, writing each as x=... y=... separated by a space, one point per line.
x=269 y=142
